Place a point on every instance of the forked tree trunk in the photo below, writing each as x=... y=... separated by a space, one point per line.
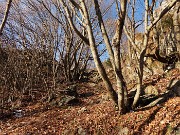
x=141 y=59
x=95 y=55
x=115 y=56
x=140 y=77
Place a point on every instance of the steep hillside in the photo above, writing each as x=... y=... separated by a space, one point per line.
x=95 y=114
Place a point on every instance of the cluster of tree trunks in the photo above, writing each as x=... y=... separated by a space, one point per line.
x=74 y=25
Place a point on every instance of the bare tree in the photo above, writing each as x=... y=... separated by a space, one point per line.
x=44 y=51
x=5 y=16
x=147 y=29
x=53 y=41
x=113 y=48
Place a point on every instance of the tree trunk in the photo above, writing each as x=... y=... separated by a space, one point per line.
x=141 y=59
x=121 y=84
x=95 y=55
x=140 y=77
x=115 y=56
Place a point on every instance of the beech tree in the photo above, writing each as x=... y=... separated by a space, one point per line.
x=62 y=36
x=79 y=10
x=39 y=51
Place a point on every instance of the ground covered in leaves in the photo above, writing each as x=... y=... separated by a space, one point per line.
x=95 y=114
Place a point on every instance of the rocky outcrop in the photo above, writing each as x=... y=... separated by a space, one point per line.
x=71 y=90
x=151 y=90
x=68 y=96
x=176 y=23
x=63 y=100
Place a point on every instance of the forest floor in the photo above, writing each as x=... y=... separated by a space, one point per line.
x=95 y=114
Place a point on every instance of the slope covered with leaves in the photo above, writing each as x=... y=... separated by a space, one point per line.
x=95 y=114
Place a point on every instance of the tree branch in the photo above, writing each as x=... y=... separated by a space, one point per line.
x=161 y=14
x=135 y=47
x=5 y=16
x=72 y=24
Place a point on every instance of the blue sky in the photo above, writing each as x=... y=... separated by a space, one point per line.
x=139 y=15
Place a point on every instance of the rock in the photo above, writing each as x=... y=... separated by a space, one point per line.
x=83 y=109
x=123 y=131
x=64 y=97
x=70 y=91
x=91 y=84
x=96 y=78
x=162 y=122
x=105 y=97
x=64 y=100
x=92 y=102
x=151 y=90
x=50 y=97
x=178 y=65
x=81 y=131
x=66 y=132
